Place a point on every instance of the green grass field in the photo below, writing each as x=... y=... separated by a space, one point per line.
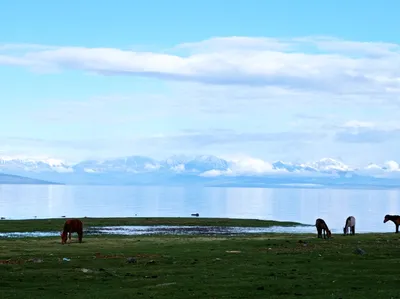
x=253 y=266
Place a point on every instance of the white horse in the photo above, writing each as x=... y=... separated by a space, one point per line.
x=350 y=223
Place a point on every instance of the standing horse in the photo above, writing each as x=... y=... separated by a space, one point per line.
x=321 y=226
x=395 y=219
x=72 y=226
x=350 y=223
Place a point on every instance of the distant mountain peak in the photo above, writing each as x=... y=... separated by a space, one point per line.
x=33 y=164
x=196 y=165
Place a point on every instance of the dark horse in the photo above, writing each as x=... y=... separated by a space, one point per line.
x=72 y=226
x=321 y=226
x=395 y=219
x=350 y=222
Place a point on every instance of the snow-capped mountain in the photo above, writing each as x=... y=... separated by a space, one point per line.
x=16 y=164
x=132 y=164
x=141 y=164
x=196 y=164
x=194 y=169
x=293 y=167
x=205 y=163
x=328 y=164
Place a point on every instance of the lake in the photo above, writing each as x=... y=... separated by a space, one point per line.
x=300 y=205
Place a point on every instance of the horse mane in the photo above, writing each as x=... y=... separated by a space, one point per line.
x=66 y=225
x=392 y=216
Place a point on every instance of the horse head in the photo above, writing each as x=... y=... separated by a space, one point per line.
x=63 y=237
x=386 y=218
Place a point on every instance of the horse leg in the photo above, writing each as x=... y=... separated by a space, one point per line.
x=324 y=233
x=353 y=229
x=69 y=236
x=319 y=231
x=80 y=235
x=397 y=228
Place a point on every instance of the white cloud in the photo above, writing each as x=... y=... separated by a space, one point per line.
x=216 y=44
x=198 y=139
x=358 y=124
x=245 y=166
x=178 y=168
x=392 y=165
x=368 y=132
x=215 y=173
x=296 y=98
x=389 y=169
x=242 y=165
x=310 y=63
x=379 y=125
x=372 y=49
x=251 y=165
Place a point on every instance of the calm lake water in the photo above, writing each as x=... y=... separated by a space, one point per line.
x=300 y=205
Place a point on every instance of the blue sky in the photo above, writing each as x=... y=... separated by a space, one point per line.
x=266 y=79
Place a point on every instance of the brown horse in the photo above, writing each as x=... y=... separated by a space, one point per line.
x=395 y=219
x=321 y=226
x=72 y=226
x=350 y=222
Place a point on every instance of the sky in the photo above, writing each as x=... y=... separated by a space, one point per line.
x=273 y=80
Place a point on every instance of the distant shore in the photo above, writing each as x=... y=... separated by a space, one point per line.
x=161 y=226
x=51 y=224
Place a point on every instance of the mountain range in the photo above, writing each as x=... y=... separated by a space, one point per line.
x=203 y=170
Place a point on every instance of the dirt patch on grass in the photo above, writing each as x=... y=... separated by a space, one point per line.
x=121 y=256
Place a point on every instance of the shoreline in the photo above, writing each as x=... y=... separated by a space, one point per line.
x=286 y=185
x=51 y=224
x=180 y=232
x=162 y=226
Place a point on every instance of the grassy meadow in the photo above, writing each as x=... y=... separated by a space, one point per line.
x=246 y=266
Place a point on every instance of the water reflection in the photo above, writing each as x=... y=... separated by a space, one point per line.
x=300 y=205
x=168 y=230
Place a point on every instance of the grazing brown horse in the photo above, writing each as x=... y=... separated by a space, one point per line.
x=321 y=226
x=72 y=226
x=395 y=219
x=350 y=222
